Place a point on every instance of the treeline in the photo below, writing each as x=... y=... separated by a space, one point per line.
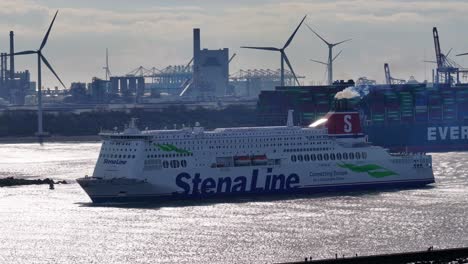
x=24 y=123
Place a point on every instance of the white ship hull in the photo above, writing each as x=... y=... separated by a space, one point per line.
x=193 y=163
x=259 y=180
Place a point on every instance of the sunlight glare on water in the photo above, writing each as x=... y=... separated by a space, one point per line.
x=62 y=226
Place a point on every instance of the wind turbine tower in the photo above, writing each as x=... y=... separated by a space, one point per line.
x=41 y=58
x=330 y=54
x=284 y=58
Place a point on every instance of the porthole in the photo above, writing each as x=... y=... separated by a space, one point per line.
x=325 y=156
x=183 y=163
x=299 y=157
x=313 y=157
x=293 y=158
x=306 y=157
x=345 y=156
x=338 y=156
x=332 y=156
x=351 y=155
x=165 y=164
x=319 y=157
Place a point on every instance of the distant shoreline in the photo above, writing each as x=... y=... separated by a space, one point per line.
x=55 y=139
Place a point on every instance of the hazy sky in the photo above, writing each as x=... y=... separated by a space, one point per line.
x=158 y=33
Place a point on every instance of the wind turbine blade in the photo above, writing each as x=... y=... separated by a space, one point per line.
x=24 y=52
x=261 y=48
x=321 y=62
x=294 y=33
x=337 y=55
x=51 y=69
x=317 y=34
x=336 y=44
x=462 y=54
x=44 y=41
x=290 y=67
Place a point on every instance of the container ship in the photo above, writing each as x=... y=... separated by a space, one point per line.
x=403 y=117
x=330 y=155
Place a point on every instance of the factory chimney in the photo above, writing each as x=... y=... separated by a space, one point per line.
x=196 y=45
x=2 y=78
x=12 y=56
x=196 y=56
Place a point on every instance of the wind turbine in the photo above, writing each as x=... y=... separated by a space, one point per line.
x=284 y=58
x=330 y=54
x=326 y=64
x=40 y=59
x=106 y=68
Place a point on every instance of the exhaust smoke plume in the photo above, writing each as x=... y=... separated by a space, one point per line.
x=353 y=92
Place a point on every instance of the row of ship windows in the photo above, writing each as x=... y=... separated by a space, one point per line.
x=250 y=146
x=235 y=141
x=331 y=156
x=113 y=149
x=174 y=164
x=236 y=135
x=118 y=143
x=306 y=149
x=170 y=155
x=119 y=156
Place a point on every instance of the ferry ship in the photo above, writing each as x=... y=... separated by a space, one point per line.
x=330 y=155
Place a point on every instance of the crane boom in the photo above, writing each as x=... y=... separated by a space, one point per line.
x=388 y=77
x=439 y=56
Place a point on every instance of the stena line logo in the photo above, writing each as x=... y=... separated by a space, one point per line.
x=196 y=184
x=447 y=133
x=115 y=162
x=348 y=127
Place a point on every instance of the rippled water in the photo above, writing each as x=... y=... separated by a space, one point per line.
x=61 y=226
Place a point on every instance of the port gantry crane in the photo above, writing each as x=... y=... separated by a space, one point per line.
x=389 y=80
x=445 y=66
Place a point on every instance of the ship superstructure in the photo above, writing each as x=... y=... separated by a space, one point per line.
x=330 y=155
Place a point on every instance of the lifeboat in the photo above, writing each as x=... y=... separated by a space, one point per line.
x=259 y=160
x=242 y=160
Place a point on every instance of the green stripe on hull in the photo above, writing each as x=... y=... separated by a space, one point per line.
x=372 y=170
x=169 y=148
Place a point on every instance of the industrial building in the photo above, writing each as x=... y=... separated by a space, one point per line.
x=130 y=88
x=210 y=76
x=14 y=86
x=249 y=83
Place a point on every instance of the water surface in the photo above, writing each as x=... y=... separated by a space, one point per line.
x=62 y=226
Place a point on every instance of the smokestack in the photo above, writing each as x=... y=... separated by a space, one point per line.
x=196 y=55
x=12 y=57
x=196 y=44
x=2 y=66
